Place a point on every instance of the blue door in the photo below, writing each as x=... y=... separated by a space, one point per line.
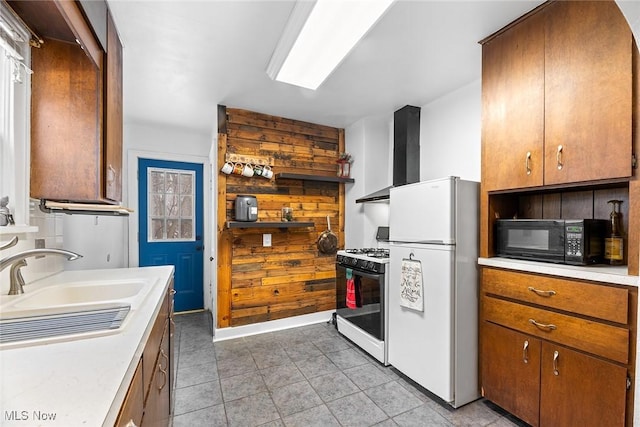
x=171 y=226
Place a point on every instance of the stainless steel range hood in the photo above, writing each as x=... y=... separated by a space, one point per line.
x=406 y=152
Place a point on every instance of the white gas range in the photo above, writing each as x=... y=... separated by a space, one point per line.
x=362 y=299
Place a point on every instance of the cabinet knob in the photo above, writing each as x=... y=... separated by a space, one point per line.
x=131 y=423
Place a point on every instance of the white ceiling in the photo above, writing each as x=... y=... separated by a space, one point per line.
x=183 y=58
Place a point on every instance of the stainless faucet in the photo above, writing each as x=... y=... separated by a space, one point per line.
x=17 y=261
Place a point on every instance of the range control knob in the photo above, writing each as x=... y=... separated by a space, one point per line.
x=354 y=261
x=371 y=265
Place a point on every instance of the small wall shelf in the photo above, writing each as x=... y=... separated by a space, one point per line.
x=269 y=224
x=313 y=177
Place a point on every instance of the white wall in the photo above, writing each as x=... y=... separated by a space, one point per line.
x=449 y=146
x=450 y=135
x=99 y=239
x=155 y=141
x=369 y=143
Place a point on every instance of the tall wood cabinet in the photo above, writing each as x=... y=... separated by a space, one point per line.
x=560 y=100
x=76 y=105
x=557 y=95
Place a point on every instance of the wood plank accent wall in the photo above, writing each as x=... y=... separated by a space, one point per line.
x=256 y=283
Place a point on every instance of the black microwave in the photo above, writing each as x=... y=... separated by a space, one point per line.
x=566 y=241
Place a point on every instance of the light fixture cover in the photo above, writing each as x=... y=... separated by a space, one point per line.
x=326 y=30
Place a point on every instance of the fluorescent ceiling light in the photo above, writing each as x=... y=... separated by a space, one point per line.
x=318 y=36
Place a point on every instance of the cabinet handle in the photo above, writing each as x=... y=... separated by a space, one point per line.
x=555 y=363
x=541 y=293
x=525 y=355
x=549 y=327
x=131 y=423
x=164 y=371
x=559 y=157
x=527 y=163
x=173 y=292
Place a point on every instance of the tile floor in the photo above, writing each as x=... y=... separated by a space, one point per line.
x=306 y=376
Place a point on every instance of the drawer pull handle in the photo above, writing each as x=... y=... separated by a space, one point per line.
x=555 y=363
x=525 y=355
x=559 y=157
x=527 y=163
x=163 y=370
x=541 y=293
x=549 y=327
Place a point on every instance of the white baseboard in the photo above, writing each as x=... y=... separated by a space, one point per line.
x=272 y=325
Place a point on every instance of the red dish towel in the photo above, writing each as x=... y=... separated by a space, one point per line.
x=351 y=293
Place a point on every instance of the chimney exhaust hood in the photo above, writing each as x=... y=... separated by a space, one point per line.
x=406 y=152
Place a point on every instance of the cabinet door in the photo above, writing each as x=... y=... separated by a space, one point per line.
x=588 y=92
x=513 y=107
x=133 y=406
x=113 y=115
x=157 y=407
x=511 y=371
x=580 y=390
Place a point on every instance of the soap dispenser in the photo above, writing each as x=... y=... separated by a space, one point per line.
x=614 y=243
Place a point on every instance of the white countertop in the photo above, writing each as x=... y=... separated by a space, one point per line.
x=81 y=382
x=598 y=273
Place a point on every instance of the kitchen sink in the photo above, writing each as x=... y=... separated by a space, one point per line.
x=61 y=295
x=69 y=311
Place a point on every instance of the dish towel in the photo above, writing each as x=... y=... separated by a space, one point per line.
x=411 y=289
x=357 y=282
x=351 y=289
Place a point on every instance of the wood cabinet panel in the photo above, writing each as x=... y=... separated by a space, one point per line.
x=580 y=390
x=113 y=115
x=601 y=339
x=133 y=406
x=157 y=406
x=513 y=107
x=588 y=299
x=65 y=117
x=588 y=92
x=151 y=350
x=511 y=372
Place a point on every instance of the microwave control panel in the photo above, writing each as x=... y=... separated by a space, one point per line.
x=573 y=243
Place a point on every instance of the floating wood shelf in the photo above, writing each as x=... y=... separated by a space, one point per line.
x=269 y=224
x=313 y=177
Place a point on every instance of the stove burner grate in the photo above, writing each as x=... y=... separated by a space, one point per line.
x=370 y=252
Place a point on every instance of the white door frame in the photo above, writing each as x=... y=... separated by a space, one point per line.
x=132 y=202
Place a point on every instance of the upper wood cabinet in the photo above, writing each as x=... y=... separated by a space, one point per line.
x=76 y=105
x=513 y=107
x=558 y=82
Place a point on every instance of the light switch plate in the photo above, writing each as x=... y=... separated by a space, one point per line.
x=266 y=240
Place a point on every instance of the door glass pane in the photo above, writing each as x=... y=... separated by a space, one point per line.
x=170 y=202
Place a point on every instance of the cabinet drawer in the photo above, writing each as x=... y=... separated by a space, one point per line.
x=588 y=299
x=607 y=341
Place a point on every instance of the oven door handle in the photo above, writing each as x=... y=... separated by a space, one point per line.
x=374 y=276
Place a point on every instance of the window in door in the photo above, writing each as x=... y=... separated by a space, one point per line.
x=171 y=207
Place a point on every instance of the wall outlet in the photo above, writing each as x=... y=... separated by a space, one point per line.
x=39 y=243
x=266 y=240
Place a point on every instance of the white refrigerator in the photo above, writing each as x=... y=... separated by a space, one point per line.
x=433 y=286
